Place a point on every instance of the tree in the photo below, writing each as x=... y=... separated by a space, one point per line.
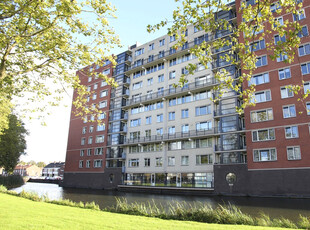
x=41 y=164
x=259 y=19
x=12 y=143
x=42 y=42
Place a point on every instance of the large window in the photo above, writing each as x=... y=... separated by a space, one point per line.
x=158 y=161
x=300 y=15
x=286 y=92
x=291 y=132
x=203 y=110
x=289 y=111
x=171 y=116
x=258 y=45
x=293 y=153
x=305 y=68
x=261 y=61
x=102 y=104
x=159 y=131
x=135 y=122
x=264 y=155
x=185 y=128
x=204 y=159
x=104 y=93
x=171 y=161
x=97 y=163
x=184 y=160
x=100 y=127
x=133 y=163
x=184 y=113
x=100 y=139
x=99 y=151
x=259 y=79
x=304 y=50
x=304 y=32
x=137 y=85
x=263 y=135
x=206 y=125
x=284 y=73
x=262 y=96
x=171 y=130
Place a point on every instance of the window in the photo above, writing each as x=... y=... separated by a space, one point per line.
x=291 y=132
x=102 y=104
x=106 y=71
x=135 y=122
x=201 y=39
x=264 y=155
x=171 y=116
x=275 y=6
x=148 y=120
x=100 y=127
x=89 y=152
x=101 y=116
x=278 y=38
x=184 y=113
x=206 y=125
x=289 y=111
x=88 y=164
x=204 y=159
x=151 y=46
x=150 y=81
x=172 y=38
x=304 y=50
x=133 y=163
x=171 y=161
x=137 y=85
x=88 y=88
x=94 y=96
x=184 y=160
x=97 y=163
x=134 y=135
x=261 y=61
x=82 y=152
x=261 y=115
x=262 y=96
x=160 y=91
x=305 y=68
x=89 y=79
x=147 y=162
x=100 y=139
x=80 y=164
x=293 y=153
x=203 y=110
x=286 y=92
x=256 y=30
x=104 y=93
x=308 y=108
x=278 y=22
x=184 y=70
x=259 y=79
x=263 y=135
x=197 y=29
x=161 y=54
x=304 y=32
x=99 y=151
x=258 y=45
x=160 y=118
x=307 y=87
x=139 y=52
x=160 y=78
x=158 y=161
x=90 y=140
x=103 y=83
x=204 y=143
x=172 y=74
x=172 y=51
x=95 y=86
x=161 y=42
x=159 y=131
x=171 y=130
x=185 y=128
x=84 y=130
x=284 y=73
x=300 y=15
x=148 y=133
x=83 y=141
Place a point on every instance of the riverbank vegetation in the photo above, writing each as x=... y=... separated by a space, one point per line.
x=11 y=181
x=220 y=216
x=19 y=213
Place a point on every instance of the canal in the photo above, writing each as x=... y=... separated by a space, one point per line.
x=274 y=207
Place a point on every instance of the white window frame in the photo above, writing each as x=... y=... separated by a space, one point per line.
x=288 y=106
x=286 y=92
x=260 y=157
x=288 y=132
x=294 y=154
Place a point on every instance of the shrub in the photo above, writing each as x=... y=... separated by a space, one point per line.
x=11 y=181
x=92 y=205
x=304 y=222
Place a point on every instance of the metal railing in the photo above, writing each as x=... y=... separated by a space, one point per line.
x=173 y=91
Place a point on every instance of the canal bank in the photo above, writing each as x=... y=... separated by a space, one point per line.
x=274 y=207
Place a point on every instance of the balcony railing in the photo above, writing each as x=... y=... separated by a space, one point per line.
x=173 y=91
x=174 y=136
x=228 y=147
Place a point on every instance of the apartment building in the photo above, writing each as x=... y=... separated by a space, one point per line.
x=160 y=136
x=87 y=140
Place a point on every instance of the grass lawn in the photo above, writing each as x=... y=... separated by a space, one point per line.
x=20 y=213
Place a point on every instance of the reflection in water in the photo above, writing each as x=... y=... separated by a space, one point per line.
x=275 y=207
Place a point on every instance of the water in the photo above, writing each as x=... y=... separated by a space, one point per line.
x=275 y=207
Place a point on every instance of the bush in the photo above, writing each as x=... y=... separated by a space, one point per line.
x=11 y=181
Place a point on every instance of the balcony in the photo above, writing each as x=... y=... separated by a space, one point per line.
x=191 y=87
x=171 y=137
x=229 y=147
x=110 y=156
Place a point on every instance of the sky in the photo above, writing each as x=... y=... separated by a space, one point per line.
x=49 y=143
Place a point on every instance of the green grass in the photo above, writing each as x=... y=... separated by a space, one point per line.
x=21 y=213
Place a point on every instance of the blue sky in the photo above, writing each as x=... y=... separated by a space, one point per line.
x=49 y=143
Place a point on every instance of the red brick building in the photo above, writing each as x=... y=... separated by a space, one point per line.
x=87 y=140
